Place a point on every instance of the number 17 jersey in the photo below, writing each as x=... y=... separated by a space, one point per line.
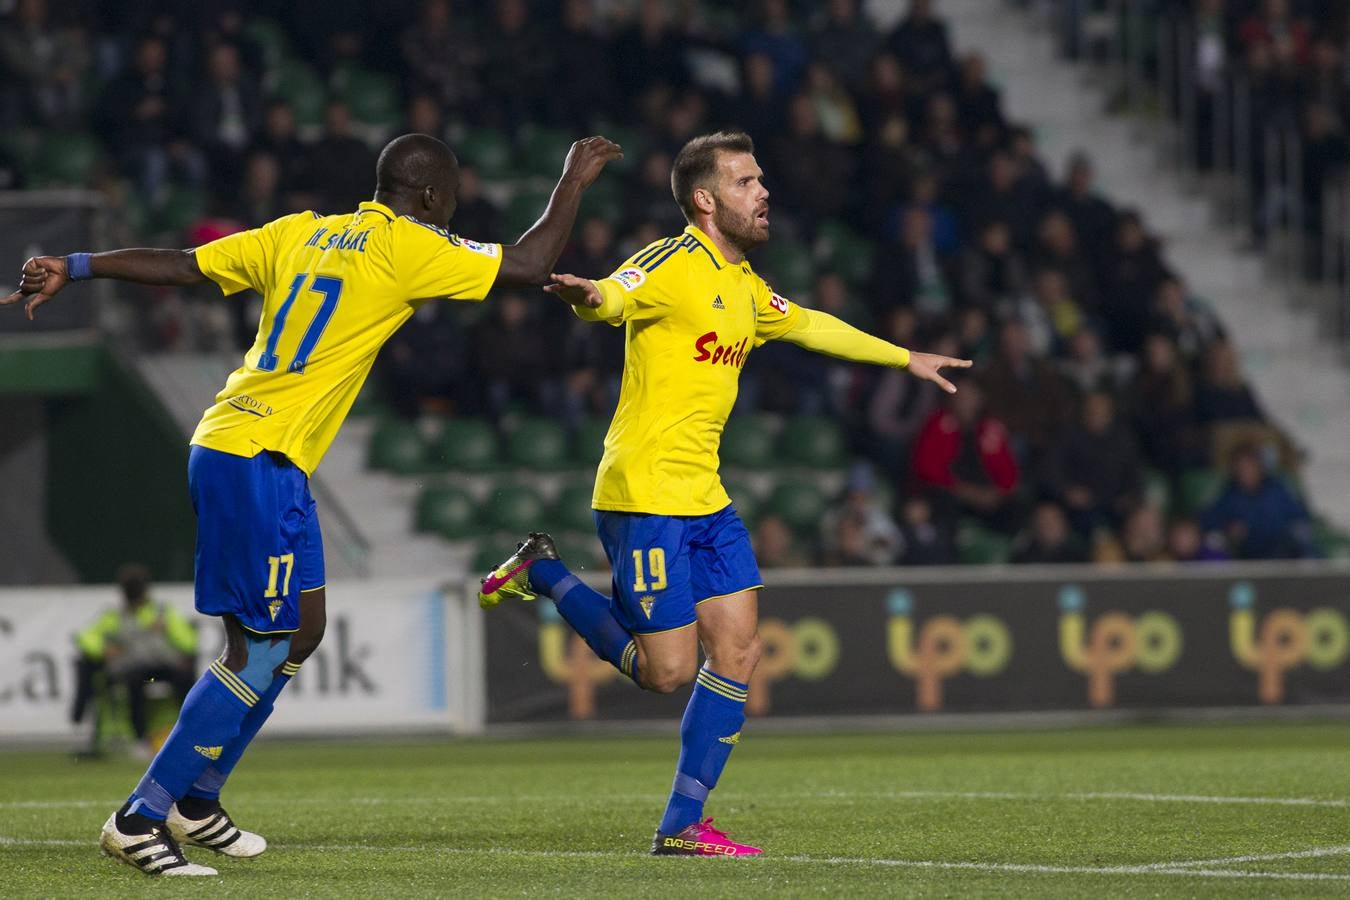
x=334 y=288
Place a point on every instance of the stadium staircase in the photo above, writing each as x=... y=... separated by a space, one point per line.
x=1296 y=370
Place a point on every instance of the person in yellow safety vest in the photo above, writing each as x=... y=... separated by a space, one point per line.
x=139 y=642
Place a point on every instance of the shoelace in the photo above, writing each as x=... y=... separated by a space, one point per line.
x=707 y=823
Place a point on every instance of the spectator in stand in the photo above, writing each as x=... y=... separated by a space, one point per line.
x=845 y=40
x=775 y=548
x=1325 y=153
x=226 y=116
x=650 y=53
x=1051 y=316
x=1000 y=195
x=334 y=157
x=965 y=465
x=259 y=200
x=516 y=66
x=926 y=542
x=887 y=95
x=1189 y=321
x=911 y=271
x=900 y=406
x=1258 y=513
x=444 y=57
x=424 y=116
x=1048 y=540
x=859 y=531
x=760 y=109
x=1093 y=469
x=835 y=109
x=1287 y=36
x=1057 y=247
x=1209 y=57
x=777 y=36
x=511 y=357
x=43 y=68
x=1089 y=369
x=280 y=141
x=1025 y=393
x=977 y=102
x=581 y=93
x=1141 y=538
x=921 y=45
x=942 y=139
x=649 y=199
x=817 y=176
x=476 y=214
x=1161 y=403
x=974 y=335
x=1187 y=542
x=992 y=272
x=1092 y=217
x=1224 y=394
x=893 y=164
x=1130 y=281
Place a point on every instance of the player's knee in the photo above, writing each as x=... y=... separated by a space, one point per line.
x=669 y=678
x=737 y=657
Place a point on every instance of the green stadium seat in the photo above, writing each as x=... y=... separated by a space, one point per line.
x=1158 y=490
x=978 y=546
x=486 y=150
x=270 y=38
x=747 y=502
x=787 y=266
x=373 y=98
x=588 y=443
x=572 y=510
x=1198 y=489
x=747 y=442
x=813 y=441
x=523 y=210
x=800 y=504
x=543 y=150
x=1330 y=541
x=180 y=208
x=396 y=446
x=632 y=141
x=514 y=509
x=465 y=445
x=841 y=250
x=537 y=444
x=603 y=200
x=299 y=86
x=492 y=550
x=65 y=160
x=447 y=511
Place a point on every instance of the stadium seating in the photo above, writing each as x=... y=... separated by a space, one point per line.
x=748 y=442
x=468 y=445
x=397 y=447
x=588 y=443
x=812 y=441
x=64 y=160
x=514 y=509
x=447 y=511
x=537 y=443
x=571 y=511
x=799 y=503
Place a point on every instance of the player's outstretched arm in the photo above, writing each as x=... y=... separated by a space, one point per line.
x=530 y=260
x=824 y=333
x=43 y=277
x=582 y=293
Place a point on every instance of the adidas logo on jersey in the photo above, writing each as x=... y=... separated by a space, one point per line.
x=717 y=302
x=211 y=753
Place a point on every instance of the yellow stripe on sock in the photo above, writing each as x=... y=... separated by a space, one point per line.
x=629 y=657
x=734 y=688
x=234 y=683
x=717 y=686
x=290 y=668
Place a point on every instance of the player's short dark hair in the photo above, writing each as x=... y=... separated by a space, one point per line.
x=134 y=579
x=697 y=162
x=410 y=162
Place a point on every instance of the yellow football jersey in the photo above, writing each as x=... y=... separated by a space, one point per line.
x=691 y=320
x=334 y=288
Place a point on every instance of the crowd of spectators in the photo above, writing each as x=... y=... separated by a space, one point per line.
x=905 y=201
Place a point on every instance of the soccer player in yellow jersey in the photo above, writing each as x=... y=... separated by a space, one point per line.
x=693 y=310
x=335 y=288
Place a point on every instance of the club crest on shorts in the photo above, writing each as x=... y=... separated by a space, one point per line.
x=647 y=603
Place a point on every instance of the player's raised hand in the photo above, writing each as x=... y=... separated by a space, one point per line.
x=42 y=278
x=588 y=157
x=929 y=366
x=576 y=291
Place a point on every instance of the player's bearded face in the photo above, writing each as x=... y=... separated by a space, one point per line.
x=742 y=211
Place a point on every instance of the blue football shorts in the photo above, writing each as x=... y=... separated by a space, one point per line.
x=258 y=539
x=665 y=565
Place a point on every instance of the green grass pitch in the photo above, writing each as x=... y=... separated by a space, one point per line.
x=1158 y=811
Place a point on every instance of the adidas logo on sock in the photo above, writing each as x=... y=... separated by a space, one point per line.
x=717 y=302
x=211 y=753
x=731 y=738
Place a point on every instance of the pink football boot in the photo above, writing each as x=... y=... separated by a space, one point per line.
x=700 y=839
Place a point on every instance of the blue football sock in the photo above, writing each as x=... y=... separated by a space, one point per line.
x=709 y=732
x=588 y=612
x=210 y=719
x=208 y=785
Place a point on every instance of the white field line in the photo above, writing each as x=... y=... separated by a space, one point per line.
x=1313 y=853
x=786 y=795
x=1021 y=868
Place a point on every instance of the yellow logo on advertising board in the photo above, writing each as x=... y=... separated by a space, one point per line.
x=1285 y=639
x=944 y=646
x=1115 y=642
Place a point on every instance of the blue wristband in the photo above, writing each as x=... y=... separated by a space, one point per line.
x=78 y=267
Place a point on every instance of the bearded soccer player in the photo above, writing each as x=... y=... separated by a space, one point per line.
x=334 y=289
x=693 y=309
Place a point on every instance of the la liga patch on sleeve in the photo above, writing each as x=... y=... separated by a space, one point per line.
x=630 y=277
x=476 y=247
